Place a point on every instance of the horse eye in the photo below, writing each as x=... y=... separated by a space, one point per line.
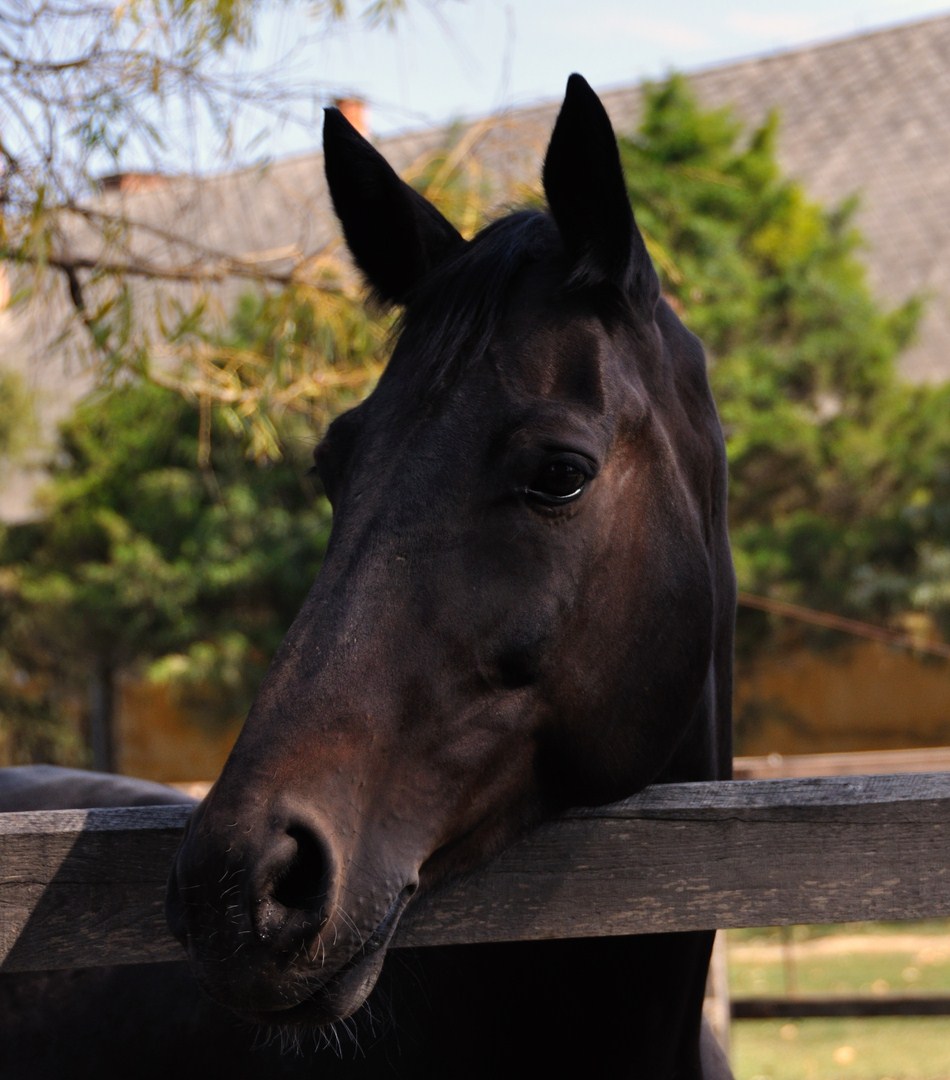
x=559 y=480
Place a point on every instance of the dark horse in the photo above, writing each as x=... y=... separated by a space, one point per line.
x=527 y=604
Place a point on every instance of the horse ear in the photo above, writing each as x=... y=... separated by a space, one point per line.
x=585 y=188
x=394 y=234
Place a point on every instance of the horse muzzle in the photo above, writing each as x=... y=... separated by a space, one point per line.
x=285 y=931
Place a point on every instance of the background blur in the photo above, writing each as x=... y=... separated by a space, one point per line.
x=178 y=323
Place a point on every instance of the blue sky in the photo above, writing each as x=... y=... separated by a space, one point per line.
x=463 y=58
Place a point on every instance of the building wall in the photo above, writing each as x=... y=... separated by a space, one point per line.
x=867 y=696
x=159 y=738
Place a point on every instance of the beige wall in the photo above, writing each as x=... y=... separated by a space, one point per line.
x=161 y=739
x=864 y=697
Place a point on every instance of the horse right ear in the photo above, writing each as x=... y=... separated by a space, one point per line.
x=395 y=235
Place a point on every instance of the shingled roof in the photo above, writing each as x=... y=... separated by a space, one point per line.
x=870 y=115
x=863 y=115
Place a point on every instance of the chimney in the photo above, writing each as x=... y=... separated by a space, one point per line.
x=357 y=112
x=129 y=183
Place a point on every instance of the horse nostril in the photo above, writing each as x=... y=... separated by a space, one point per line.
x=294 y=906
x=304 y=882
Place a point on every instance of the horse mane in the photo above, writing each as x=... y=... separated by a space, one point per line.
x=451 y=317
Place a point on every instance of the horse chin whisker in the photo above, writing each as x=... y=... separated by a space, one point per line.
x=330 y=1038
x=285 y=1038
x=299 y=1042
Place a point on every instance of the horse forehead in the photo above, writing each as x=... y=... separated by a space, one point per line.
x=564 y=360
x=557 y=344
x=547 y=348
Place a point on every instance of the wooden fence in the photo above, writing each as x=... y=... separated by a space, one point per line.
x=794 y=1004
x=80 y=888
x=848 y=763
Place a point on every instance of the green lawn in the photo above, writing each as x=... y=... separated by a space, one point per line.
x=879 y=1049
x=874 y=959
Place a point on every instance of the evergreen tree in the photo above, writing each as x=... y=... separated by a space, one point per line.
x=149 y=561
x=838 y=468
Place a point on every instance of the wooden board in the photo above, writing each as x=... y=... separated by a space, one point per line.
x=800 y=1007
x=852 y=763
x=85 y=887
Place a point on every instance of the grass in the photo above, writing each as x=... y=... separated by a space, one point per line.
x=876 y=959
x=880 y=1049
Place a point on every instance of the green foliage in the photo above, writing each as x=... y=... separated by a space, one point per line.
x=454 y=180
x=298 y=352
x=145 y=86
x=17 y=417
x=145 y=558
x=839 y=495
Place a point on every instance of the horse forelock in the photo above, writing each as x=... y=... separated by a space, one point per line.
x=456 y=312
x=450 y=320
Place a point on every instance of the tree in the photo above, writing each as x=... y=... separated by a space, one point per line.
x=838 y=469
x=147 y=561
x=85 y=86
x=17 y=421
x=309 y=347
x=85 y=90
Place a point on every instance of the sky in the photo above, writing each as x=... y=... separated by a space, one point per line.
x=467 y=58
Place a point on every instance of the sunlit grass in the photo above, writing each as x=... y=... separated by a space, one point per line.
x=895 y=1048
x=873 y=959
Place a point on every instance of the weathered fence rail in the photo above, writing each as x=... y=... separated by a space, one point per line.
x=86 y=887
x=845 y=763
x=815 y=1006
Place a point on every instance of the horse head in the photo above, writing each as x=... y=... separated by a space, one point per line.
x=527 y=597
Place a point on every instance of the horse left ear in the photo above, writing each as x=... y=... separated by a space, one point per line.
x=585 y=189
x=395 y=235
